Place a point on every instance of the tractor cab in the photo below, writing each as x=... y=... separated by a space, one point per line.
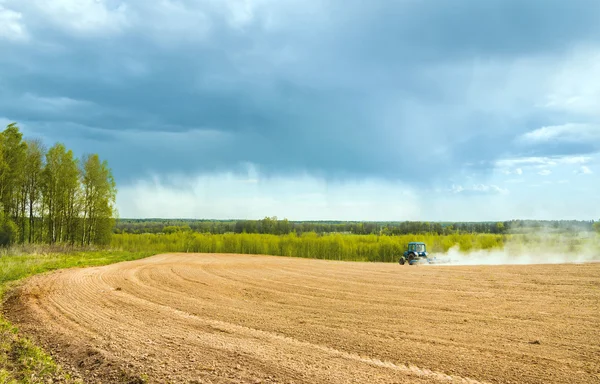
x=417 y=247
x=416 y=252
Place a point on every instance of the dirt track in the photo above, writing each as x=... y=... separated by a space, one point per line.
x=232 y=318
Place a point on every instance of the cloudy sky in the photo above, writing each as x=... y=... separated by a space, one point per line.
x=308 y=109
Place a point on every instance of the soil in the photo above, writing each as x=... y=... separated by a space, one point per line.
x=198 y=318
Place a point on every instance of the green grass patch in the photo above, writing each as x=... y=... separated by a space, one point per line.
x=20 y=360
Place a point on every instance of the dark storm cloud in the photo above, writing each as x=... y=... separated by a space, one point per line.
x=349 y=90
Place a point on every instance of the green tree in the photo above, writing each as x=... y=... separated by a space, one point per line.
x=34 y=162
x=99 y=195
x=596 y=226
x=41 y=196
x=61 y=194
x=3 y=171
x=8 y=230
x=12 y=177
x=50 y=205
x=500 y=227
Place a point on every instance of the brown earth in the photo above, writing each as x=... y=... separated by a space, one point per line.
x=186 y=318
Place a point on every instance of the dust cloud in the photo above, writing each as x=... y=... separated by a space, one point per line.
x=543 y=250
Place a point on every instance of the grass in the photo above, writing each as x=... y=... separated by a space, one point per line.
x=20 y=360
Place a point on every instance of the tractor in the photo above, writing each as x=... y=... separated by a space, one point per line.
x=416 y=253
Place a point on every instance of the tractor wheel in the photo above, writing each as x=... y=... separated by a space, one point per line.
x=402 y=260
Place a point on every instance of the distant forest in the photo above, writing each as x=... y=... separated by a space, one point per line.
x=272 y=225
x=47 y=195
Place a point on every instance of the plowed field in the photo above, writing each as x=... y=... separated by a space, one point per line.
x=187 y=318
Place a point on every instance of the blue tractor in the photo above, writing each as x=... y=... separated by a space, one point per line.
x=416 y=253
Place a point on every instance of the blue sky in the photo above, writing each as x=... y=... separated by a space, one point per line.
x=383 y=110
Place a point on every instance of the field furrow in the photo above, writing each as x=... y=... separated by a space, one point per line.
x=220 y=318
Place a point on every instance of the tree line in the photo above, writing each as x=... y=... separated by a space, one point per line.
x=357 y=247
x=50 y=196
x=274 y=226
x=308 y=245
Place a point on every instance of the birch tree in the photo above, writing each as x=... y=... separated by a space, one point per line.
x=33 y=189
x=99 y=195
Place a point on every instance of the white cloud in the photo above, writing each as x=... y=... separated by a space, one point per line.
x=541 y=161
x=246 y=196
x=546 y=165
x=457 y=188
x=574 y=87
x=241 y=12
x=478 y=188
x=84 y=16
x=489 y=188
x=578 y=133
x=52 y=103
x=583 y=170
x=517 y=171
x=161 y=20
x=575 y=159
x=165 y=22
x=525 y=161
x=11 y=25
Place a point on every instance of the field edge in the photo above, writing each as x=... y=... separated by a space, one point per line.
x=22 y=358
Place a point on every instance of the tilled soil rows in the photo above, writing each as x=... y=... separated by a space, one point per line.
x=197 y=318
